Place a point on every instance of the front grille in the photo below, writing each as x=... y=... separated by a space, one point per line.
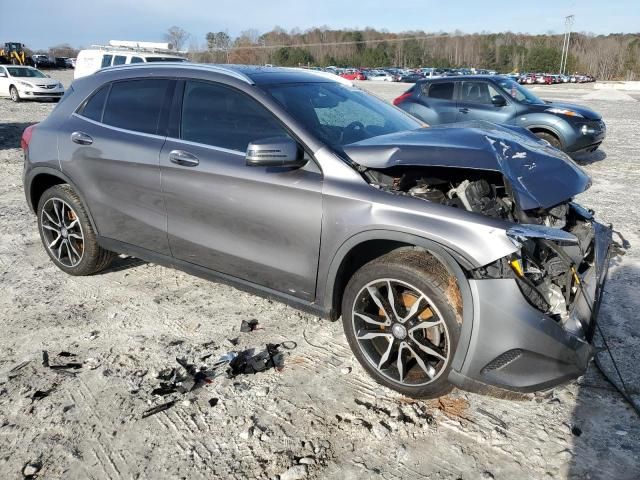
x=48 y=87
x=47 y=94
x=502 y=360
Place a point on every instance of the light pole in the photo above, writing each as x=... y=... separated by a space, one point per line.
x=568 y=23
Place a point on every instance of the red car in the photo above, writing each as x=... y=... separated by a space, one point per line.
x=353 y=75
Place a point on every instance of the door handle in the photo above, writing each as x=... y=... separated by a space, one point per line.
x=186 y=159
x=81 y=138
x=463 y=110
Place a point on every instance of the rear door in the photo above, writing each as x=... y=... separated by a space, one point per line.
x=110 y=149
x=439 y=99
x=476 y=103
x=259 y=224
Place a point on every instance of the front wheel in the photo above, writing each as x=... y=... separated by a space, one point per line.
x=15 y=96
x=67 y=234
x=401 y=318
x=550 y=138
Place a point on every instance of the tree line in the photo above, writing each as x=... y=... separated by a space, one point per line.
x=607 y=57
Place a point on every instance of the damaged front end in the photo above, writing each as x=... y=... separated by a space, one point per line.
x=535 y=309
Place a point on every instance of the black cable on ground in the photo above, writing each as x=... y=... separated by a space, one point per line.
x=620 y=388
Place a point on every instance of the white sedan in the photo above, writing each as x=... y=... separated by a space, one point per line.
x=22 y=83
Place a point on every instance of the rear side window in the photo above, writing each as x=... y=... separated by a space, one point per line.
x=136 y=60
x=119 y=60
x=95 y=105
x=106 y=61
x=222 y=117
x=135 y=104
x=442 y=91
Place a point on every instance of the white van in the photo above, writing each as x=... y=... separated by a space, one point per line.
x=122 y=53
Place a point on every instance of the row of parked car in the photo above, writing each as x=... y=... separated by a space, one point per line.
x=406 y=75
x=45 y=61
x=552 y=78
x=417 y=74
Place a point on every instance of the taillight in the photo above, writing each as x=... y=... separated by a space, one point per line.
x=402 y=97
x=26 y=136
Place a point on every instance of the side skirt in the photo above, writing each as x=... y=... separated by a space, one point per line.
x=212 y=275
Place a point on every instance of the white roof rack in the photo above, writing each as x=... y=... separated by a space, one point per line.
x=141 y=47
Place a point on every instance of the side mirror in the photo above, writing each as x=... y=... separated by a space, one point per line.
x=498 y=101
x=275 y=152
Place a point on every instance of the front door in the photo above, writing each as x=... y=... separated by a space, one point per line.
x=258 y=224
x=476 y=103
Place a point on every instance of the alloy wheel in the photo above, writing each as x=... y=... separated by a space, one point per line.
x=401 y=332
x=62 y=232
x=14 y=94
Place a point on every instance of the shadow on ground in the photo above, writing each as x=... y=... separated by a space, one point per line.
x=606 y=428
x=122 y=263
x=11 y=133
x=591 y=157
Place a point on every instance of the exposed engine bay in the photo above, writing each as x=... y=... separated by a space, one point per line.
x=547 y=270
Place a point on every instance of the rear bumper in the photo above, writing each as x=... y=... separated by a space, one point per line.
x=514 y=346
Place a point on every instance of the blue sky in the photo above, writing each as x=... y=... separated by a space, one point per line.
x=41 y=24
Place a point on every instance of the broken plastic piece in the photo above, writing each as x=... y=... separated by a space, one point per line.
x=72 y=365
x=158 y=409
x=213 y=402
x=249 y=326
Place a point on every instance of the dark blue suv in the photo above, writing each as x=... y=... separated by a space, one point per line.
x=498 y=99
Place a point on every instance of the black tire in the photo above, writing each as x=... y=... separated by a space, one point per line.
x=409 y=267
x=90 y=257
x=551 y=138
x=15 y=95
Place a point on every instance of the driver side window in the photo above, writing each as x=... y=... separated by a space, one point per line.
x=220 y=116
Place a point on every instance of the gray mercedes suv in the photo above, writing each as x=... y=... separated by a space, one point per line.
x=455 y=255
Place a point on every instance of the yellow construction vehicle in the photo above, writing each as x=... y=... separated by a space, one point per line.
x=13 y=53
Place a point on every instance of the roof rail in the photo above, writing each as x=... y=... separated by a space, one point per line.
x=139 y=47
x=193 y=66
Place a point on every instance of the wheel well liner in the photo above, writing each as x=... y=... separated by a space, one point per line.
x=40 y=184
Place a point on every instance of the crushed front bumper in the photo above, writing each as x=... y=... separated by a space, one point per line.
x=515 y=346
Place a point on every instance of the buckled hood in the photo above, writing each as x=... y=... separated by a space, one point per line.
x=539 y=175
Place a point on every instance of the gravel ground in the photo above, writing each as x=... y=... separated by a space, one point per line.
x=320 y=416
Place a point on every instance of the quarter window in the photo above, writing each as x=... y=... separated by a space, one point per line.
x=136 y=60
x=95 y=105
x=136 y=104
x=119 y=60
x=219 y=116
x=106 y=61
x=442 y=91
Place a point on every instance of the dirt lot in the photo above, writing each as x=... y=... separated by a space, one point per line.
x=320 y=416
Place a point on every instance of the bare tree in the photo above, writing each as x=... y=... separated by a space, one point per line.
x=177 y=37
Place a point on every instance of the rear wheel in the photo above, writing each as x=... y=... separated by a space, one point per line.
x=67 y=234
x=13 y=92
x=401 y=323
x=549 y=137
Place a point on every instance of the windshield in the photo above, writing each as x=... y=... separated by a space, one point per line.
x=519 y=92
x=340 y=114
x=25 y=72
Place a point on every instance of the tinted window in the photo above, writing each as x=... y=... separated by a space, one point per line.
x=136 y=60
x=106 y=61
x=222 y=117
x=478 y=92
x=95 y=105
x=135 y=104
x=119 y=60
x=443 y=91
x=166 y=59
